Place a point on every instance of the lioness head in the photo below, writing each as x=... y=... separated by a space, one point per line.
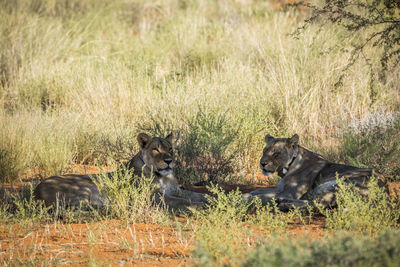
x=157 y=154
x=278 y=154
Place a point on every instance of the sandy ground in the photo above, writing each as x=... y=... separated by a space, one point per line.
x=112 y=242
x=116 y=243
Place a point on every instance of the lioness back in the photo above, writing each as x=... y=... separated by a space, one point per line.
x=68 y=190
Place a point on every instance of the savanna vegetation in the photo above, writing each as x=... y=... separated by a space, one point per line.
x=79 y=79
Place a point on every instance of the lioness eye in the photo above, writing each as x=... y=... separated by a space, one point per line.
x=156 y=150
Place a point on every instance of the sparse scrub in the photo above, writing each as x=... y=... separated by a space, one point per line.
x=27 y=209
x=220 y=231
x=205 y=149
x=339 y=250
x=223 y=231
x=375 y=212
x=130 y=198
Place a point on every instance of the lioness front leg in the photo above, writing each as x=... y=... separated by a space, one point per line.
x=193 y=196
x=267 y=195
x=181 y=204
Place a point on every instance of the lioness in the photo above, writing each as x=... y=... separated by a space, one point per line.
x=305 y=175
x=154 y=158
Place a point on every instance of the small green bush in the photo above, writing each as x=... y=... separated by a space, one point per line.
x=27 y=209
x=205 y=150
x=130 y=197
x=223 y=230
x=339 y=250
x=374 y=212
x=270 y=218
x=220 y=231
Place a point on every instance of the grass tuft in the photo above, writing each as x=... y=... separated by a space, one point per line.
x=131 y=198
x=339 y=250
x=375 y=212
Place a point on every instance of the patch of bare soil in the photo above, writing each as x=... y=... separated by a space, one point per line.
x=106 y=242
x=112 y=242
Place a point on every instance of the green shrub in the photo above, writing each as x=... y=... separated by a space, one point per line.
x=205 y=150
x=130 y=198
x=220 y=230
x=27 y=209
x=270 y=218
x=223 y=230
x=339 y=250
x=374 y=212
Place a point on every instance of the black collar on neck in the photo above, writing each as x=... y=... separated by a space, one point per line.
x=294 y=157
x=291 y=162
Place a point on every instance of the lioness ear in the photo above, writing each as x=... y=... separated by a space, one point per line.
x=170 y=138
x=294 y=141
x=144 y=140
x=268 y=138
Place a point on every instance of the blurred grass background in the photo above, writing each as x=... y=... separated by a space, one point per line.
x=79 y=79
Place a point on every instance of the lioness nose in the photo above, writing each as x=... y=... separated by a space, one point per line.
x=262 y=164
x=168 y=161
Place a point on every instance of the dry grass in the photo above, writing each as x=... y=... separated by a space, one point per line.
x=80 y=79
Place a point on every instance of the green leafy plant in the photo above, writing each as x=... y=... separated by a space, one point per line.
x=205 y=148
x=343 y=249
x=374 y=212
x=223 y=229
x=270 y=218
x=220 y=230
x=27 y=209
x=130 y=197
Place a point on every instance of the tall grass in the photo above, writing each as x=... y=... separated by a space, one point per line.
x=81 y=78
x=373 y=141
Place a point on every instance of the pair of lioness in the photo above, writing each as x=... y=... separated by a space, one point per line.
x=155 y=158
x=305 y=176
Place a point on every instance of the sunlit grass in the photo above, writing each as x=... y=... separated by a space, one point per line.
x=97 y=74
